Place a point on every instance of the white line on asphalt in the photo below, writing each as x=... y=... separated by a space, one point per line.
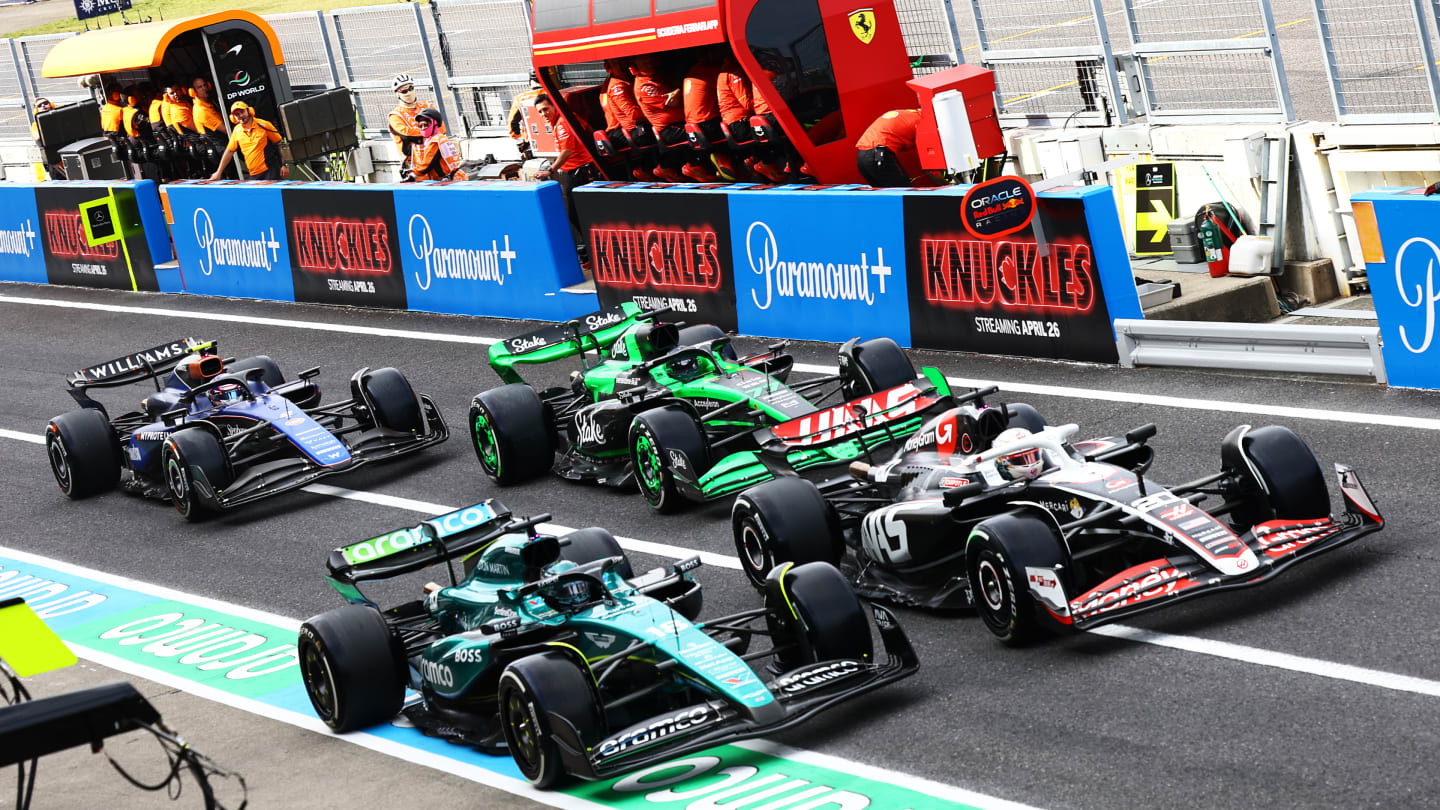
x=1251 y=408
x=36 y=438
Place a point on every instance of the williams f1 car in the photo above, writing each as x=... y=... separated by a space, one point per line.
x=1035 y=531
x=554 y=650
x=221 y=433
x=677 y=411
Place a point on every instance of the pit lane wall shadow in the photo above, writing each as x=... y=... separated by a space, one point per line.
x=1399 y=231
x=834 y=262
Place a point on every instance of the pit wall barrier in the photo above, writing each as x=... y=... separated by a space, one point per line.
x=1399 y=231
x=834 y=262
x=43 y=241
x=481 y=248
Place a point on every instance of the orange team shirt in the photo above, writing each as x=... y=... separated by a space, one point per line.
x=650 y=96
x=578 y=156
x=110 y=116
x=437 y=159
x=130 y=113
x=206 y=118
x=701 y=104
x=610 y=122
x=622 y=106
x=732 y=91
x=895 y=130
x=251 y=141
x=402 y=122
x=180 y=117
x=157 y=113
x=762 y=106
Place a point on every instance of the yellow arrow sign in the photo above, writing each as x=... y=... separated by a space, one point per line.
x=1156 y=221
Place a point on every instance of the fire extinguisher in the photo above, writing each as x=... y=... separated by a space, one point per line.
x=1216 y=239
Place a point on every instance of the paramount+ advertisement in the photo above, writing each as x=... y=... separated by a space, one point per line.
x=70 y=259
x=661 y=248
x=1004 y=294
x=344 y=247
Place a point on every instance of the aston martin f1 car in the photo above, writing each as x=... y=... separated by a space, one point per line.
x=552 y=649
x=1081 y=539
x=676 y=410
x=220 y=433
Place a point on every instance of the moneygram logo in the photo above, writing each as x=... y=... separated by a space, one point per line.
x=801 y=279
x=257 y=254
x=460 y=264
x=20 y=241
x=1424 y=299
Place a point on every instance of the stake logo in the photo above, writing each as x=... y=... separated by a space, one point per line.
x=347 y=246
x=257 y=254
x=802 y=279
x=463 y=264
x=662 y=259
x=65 y=234
x=19 y=242
x=1423 y=299
x=966 y=272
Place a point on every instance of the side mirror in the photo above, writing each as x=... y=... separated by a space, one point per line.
x=1142 y=434
x=954 y=497
x=540 y=552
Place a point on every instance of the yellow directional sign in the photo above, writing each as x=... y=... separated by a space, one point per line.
x=1154 y=225
x=1155 y=204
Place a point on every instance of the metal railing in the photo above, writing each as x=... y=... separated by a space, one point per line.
x=1379 y=59
x=14 y=97
x=308 y=57
x=1345 y=350
x=374 y=43
x=485 y=49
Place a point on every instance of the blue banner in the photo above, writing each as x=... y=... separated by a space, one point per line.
x=231 y=240
x=22 y=254
x=500 y=249
x=820 y=265
x=1402 y=261
x=89 y=9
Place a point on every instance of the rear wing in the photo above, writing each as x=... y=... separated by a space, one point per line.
x=593 y=332
x=872 y=413
x=440 y=539
x=138 y=366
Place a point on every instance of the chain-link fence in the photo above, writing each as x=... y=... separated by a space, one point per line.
x=14 y=119
x=306 y=44
x=485 y=49
x=32 y=57
x=928 y=29
x=1380 y=60
x=373 y=45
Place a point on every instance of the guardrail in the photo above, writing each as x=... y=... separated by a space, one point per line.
x=1347 y=350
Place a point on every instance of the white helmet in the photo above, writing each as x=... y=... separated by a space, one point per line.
x=400 y=81
x=1026 y=463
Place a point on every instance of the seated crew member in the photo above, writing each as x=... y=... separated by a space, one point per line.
x=880 y=147
x=42 y=104
x=572 y=167
x=436 y=157
x=112 y=114
x=401 y=120
x=136 y=127
x=622 y=116
x=702 y=109
x=205 y=117
x=733 y=93
x=253 y=137
x=664 y=109
x=180 y=114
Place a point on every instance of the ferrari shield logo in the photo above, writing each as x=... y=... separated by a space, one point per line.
x=862 y=24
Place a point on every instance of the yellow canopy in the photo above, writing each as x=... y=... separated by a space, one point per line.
x=134 y=47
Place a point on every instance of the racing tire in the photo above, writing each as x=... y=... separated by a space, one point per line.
x=877 y=364
x=704 y=333
x=784 y=520
x=996 y=554
x=537 y=693
x=393 y=402
x=272 y=376
x=594 y=543
x=351 y=672
x=511 y=436
x=84 y=453
x=1291 y=483
x=814 y=608
x=183 y=453
x=653 y=435
x=1022 y=415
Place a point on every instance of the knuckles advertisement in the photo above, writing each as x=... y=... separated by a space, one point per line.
x=70 y=259
x=344 y=247
x=1005 y=295
x=662 y=249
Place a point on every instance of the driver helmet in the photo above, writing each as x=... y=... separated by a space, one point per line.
x=198 y=368
x=572 y=593
x=1024 y=464
x=226 y=394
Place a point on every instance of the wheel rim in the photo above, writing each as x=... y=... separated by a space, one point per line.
x=485 y=445
x=59 y=464
x=524 y=736
x=319 y=683
x=753 y=552
x=992 y=586
x=178 y=483
x=647 y=464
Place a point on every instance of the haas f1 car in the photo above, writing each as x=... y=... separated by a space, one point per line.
x=554 y=650
x=220 y=433
x=675 y=409
x=1038 y=532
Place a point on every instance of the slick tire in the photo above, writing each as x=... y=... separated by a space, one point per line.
x=537 y=693
x=814 y=608
x=394 y=402
x=1289 y=473
x=653 y=435
x=510 y=434
x=878 y=364
x=185 y=455
x=704 y=333
x=780 y=521
x=1021 y=415
x=351 y=672
x=588 y=545
x=996 y=554
x=84 y=453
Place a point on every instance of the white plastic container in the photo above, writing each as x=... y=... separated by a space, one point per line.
x=1250 y=256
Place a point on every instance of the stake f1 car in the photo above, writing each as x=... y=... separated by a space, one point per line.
x=553 y=650
x=678 y=412
x=222 y=433
x=1089 y=540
